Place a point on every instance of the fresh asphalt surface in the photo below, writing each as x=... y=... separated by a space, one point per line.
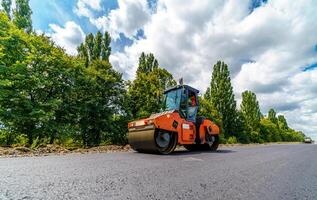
x=255 y=172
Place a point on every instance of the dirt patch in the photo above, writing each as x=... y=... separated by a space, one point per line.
x=58 y=150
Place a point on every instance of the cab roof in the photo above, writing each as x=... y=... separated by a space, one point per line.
x=187 y=87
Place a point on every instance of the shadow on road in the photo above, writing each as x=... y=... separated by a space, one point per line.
x=186 y=152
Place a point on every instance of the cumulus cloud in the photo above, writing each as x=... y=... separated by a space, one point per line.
x=68 y=37
x=266 y=48
x=128 y=18
x=86 y=7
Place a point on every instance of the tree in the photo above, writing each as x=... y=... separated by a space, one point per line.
x=207 y=110
x=222 y=97
x=269 y=131
x=33 y=77
x=22 y=15
x=95 y=48
x=106 y=48
x=89 y=44
x=146 y=91
x=272 y=116
x=83 y=54
x=6 y=5
x=250 y=110
x=96 y=102
x=147 y=63
x=282 y=123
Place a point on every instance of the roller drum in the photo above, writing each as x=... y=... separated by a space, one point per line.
x=152 y=141
x=143 y=140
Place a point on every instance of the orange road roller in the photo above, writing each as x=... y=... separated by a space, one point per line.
x=178 y=123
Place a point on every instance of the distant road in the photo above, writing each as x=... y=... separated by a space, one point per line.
x=256 y=172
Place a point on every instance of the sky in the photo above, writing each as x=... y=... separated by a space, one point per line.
x=269 y=45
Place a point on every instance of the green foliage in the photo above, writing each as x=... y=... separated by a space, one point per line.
x=222 y=98
x=105 y=47
x=282 y=123
x=31 y=83
x=95 y=48
x=21 y=140
x=232 y=140
x=6 y=5
x=22 y=15
x=207 y=110
x=48 y=95
x=250 y=111
x=97 y=95
x=146 y=91
x=269 y=131
x=147 y=63
x=272 y=116
x=35 y=143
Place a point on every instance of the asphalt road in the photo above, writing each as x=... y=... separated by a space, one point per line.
x=258 y=172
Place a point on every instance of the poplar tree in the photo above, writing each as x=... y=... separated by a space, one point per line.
x=22 y=15
x=282 y=123
x=250 y=110
x=222 y=97
x=147 y=63
x=6 y=5
x=105 y=47
x=272 y=116
x=95 y=48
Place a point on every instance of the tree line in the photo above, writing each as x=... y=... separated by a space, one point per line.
x=48 y=96
x=247 y=124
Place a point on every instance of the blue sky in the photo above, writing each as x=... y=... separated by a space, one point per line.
x=269 y=45
x=58 y=12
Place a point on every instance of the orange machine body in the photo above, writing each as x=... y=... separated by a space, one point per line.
x=172 y=122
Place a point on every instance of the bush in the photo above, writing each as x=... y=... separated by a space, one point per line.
x=35 y=143
x=222 y=139
x=21 y=140
x=255 y=137
x=232 y=140
x=71 y=144
x=243 y=138
x=6 y=138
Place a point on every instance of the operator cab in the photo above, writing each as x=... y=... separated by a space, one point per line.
x=184 y=99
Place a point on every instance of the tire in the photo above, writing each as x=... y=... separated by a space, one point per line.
x=209 y=146
x=212 y=145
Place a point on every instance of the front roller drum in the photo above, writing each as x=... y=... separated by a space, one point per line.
x=153 y=141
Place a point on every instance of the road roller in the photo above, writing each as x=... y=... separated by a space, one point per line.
x=176 y=124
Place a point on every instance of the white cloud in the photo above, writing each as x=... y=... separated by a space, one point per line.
x=128 y=18
x=86 y=7
x=266 y=49
x=68 y=37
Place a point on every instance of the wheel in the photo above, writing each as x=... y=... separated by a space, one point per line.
x=212 y=142
x=166 y=142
